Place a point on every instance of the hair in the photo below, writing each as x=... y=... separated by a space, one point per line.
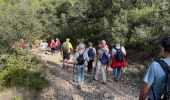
x=166 y=44
x=67 y=40
x=82 y=46
x=103 y=41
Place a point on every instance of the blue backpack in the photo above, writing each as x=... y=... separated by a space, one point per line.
x=90 y=53
x=105 y=59
x=119 y=55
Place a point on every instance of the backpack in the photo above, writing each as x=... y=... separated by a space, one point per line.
x=65 y=47
x=81 y=59
x=119 y=55
x=105 y=59
x=90 y=53
x=166 y=68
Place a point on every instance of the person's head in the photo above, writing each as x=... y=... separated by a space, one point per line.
x=103 y=43
x=52 y=40
x=67 y=40
x=56 y=38
x=166 y=44
x=90 y=44
x=118 y=42
x=81 y=46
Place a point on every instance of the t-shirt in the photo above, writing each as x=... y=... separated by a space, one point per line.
x=43 y=45
x=79 y=52
x=156 y=77
x=118 y=47
x=70 y=47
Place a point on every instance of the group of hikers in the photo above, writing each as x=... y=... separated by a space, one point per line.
x=42 y=46
x=100 y=59
x=156 y=81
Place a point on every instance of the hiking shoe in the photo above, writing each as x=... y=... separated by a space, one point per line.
x=116 y=79
x=104 y=83
x=79 y=87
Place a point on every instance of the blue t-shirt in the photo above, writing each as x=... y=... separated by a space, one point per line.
x=156 y=77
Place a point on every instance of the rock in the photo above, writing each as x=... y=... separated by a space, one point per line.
x=77 y=97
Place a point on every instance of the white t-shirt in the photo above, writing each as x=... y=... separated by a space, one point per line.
x=79 y=52
x=118 y=47
x=43 y=45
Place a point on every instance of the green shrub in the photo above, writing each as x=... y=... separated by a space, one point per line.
x=22 y=71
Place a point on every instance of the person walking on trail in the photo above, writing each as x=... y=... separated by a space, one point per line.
x=57 y=44
x=53 y=46
x=37 y=44
x=102 y=61
x=42 y=47
x=157 y=79
x=91 y=51
x=118 y=60
x=65 y=51
x=81 y=59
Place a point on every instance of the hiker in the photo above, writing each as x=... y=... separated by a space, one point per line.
x=65 y=51
x=157 y=81
x=104 y=45
x=37 y=43
x=81 y=59
x=53 y=46
x=42 y=47
x=118 y=60
x=57 y=44
x=91 y=51
x=102 y=61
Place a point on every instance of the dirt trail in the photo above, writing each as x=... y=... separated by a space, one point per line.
x=62 y=87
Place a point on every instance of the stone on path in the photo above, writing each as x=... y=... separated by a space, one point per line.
x=77 y=97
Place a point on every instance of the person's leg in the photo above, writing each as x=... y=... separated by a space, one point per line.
x=97 y=70
x=90 y=66
x=78 y=74
x=103 y=68
x=119 y=72
x=115 y=73
x=82 y=75
x=67 y=61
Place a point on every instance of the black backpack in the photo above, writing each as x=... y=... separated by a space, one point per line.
x=166 y=68
x=81 y=59
x=119 y=55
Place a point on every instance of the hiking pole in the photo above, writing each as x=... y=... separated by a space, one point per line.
x=74 y=65
x=107 y=72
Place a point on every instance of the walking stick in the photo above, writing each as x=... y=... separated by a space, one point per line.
x=107 y=73
x=74 y=65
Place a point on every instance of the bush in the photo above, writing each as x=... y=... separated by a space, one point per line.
x=22 y=71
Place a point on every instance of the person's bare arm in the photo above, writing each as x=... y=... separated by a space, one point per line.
x=144 y=91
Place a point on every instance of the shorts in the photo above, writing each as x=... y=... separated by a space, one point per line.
x=66 y=55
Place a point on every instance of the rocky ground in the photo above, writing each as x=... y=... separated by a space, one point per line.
x=62 y=87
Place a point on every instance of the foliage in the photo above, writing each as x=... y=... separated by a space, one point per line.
x=87 y=20
x=23 y=71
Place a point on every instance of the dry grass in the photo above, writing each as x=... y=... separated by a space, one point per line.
x=8 y=94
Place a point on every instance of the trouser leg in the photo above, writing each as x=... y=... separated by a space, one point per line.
x=78 y=75
x=82 y=74
x=119 y=72
x=115 y=73
x=103 y=73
